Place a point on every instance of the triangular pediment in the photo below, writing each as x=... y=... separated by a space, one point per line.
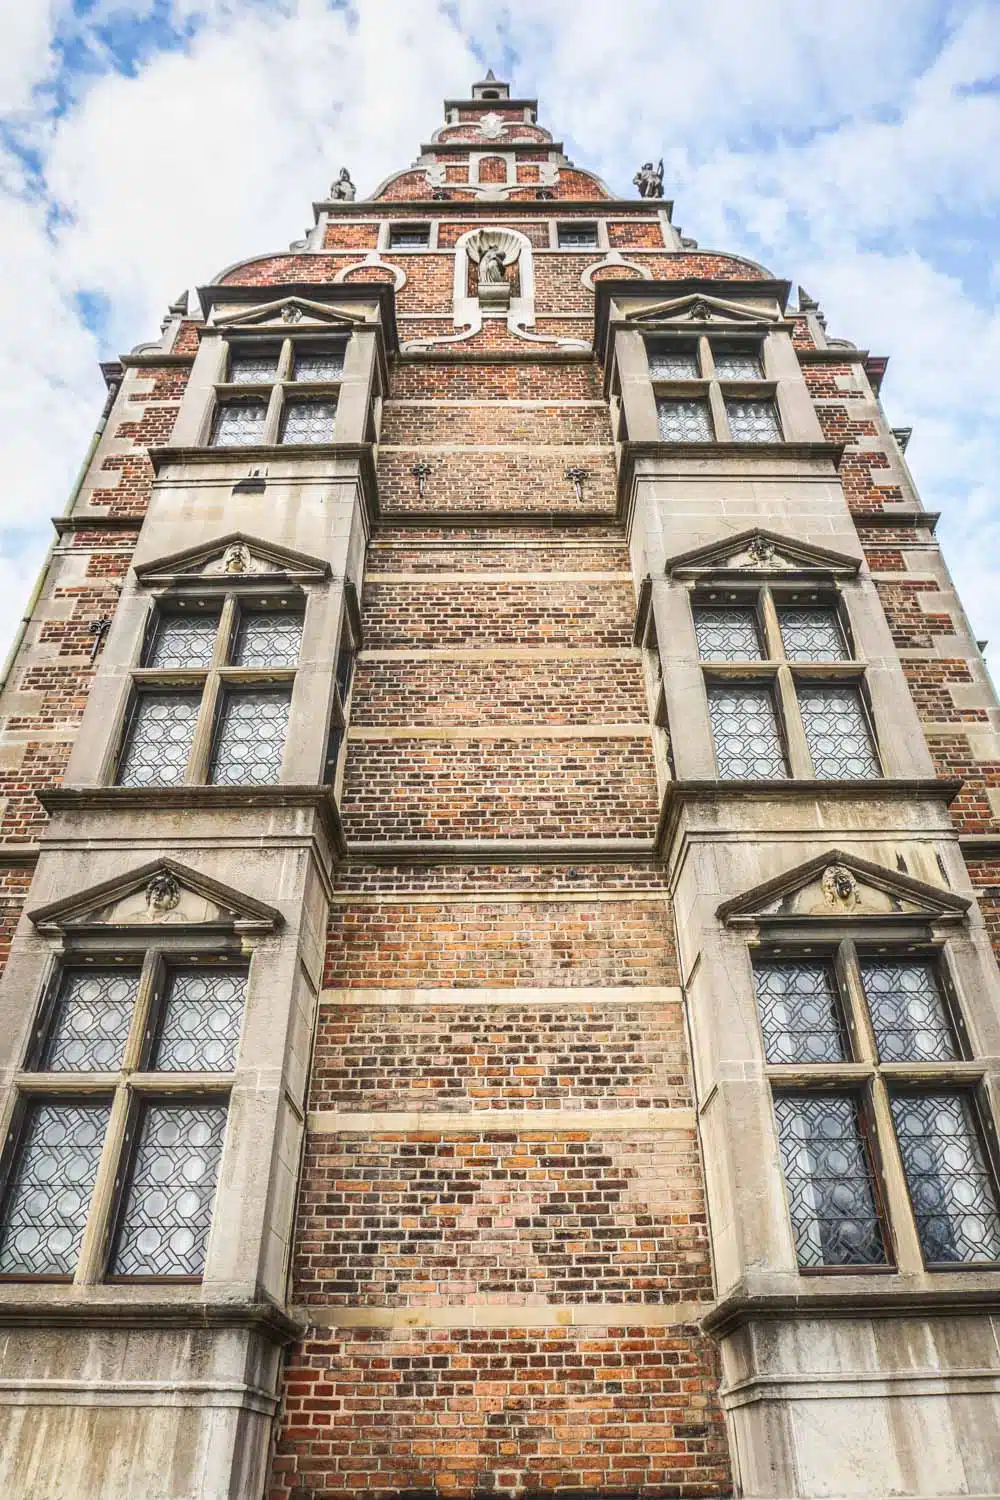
x=696 y=307
x=232 y=557
x=762 y=552
x=838 y=886
x=163 y=893
x=287 y=312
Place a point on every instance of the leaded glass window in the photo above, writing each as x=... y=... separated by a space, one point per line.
x=727 y=634
x=812 y=634
x=836 y=729
x=91 y=1020
x=577 y=236
x=51 y=1185
x=684 y=421
x=908 y=1012
x=251 y=737
x=320 y=364
x=951 y=1186
x=259 y=368
x=409 y=236
x=752 y=421
x=745 y=729
x=308 y=422
x=159 y=740
x=828 y=1176
x=799 y=1011
x=736 y=364
x=268 y=638
x=200 y=1024
x=672 y=362
x=183 y=640
x=167 y=1212
x=238 y=423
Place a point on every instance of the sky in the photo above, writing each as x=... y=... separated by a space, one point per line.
x=853 y=148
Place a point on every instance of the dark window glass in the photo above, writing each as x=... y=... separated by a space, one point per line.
x=828 y=1176
x=268 y=638
x=409 y=236
x=577 y=236
x=727 y=634
x=183 y=640
x=91 y=1021
x=951 y=1187
x=345 y=669
x=48 y=1198
x=836 y=728
x=200 y=1025
x=159 y=739
x=250 y=740
x=909 y=1016
x=745 y=729
x=812 y=634
x=168 y=1208
x=799 y=1012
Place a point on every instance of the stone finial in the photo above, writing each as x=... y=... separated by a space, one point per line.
x=163 y=894
x=649 y=180
x=342 y=190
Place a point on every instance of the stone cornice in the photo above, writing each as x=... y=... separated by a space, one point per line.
x=44 y=1308
x=499 y=851
x=680 y=793
x=879 y=1294
x=367 y=209
x=147 y=361
x=487 y=145
x=906 y=515
x=711 y=286
x=832 y=356
x=94 y=521
x=382 y=292
x=495 y=518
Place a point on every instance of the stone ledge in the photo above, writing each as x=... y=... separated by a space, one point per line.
x=602 y=995
x=475 y=1122
x=508 y=1315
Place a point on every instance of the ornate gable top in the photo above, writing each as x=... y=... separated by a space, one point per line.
x=763 y=552
x=700 y=307
x=290 y=312
x=161 y=893
x=835 y=886
x=230 y=558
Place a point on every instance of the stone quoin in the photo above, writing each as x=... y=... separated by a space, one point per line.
x=500 y=855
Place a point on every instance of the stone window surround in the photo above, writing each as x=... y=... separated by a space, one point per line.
x=283 y=389
x=871 y=1082
x=213 y=680
x=348 y=646
x=128 y=1089
x=775 y=668
x=714 y=391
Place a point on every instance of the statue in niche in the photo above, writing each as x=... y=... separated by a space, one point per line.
x=492 y=266
x=649 y=180
x=343 y=190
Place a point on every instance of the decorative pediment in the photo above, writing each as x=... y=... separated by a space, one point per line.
x=161 y=894
x=837 y=886
x=762 y=552
x=286 y=312
x=699 y=308
x=230 y=558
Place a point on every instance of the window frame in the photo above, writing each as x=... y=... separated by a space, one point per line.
x=127 y=1090
x=407 y=226
x=349 y=642
x=572 y=226
x=276 y=393
x=875 y=1083
x=713 y=389
x=767 y=597
x=211 y=681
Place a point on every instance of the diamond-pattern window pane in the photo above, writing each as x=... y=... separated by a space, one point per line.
x=670 y=362
x=254 y=369
x=837 y=732
x=168 y=1210
x=183 y=641
x=753 y=421
x=251 y=737
x=951 y=1187
x=737 y=364
x=812 y=635
x=159 y=740
x=684 y=421
x=91 y=1021
x=200 y=1025
x=747 y=743
x=51 y=1186
x=320 y=364
x=727 y=634
x=908 y=1012
x=239 y=422
x=268 y=638
x=799 y=1012
x=829 y=1181
x=308 y=422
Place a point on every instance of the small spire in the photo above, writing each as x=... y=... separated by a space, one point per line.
x=490 y=87
x=491 y=77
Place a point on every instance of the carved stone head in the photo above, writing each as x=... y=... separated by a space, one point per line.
x=163 y=894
